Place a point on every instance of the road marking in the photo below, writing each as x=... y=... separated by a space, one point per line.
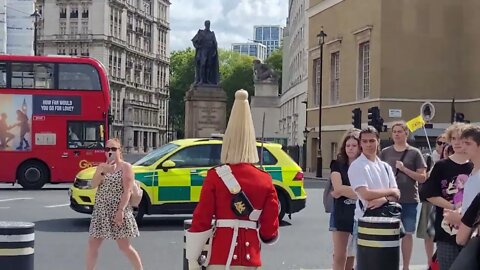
x=14 y=199
x=4 y=207
x=57 y=205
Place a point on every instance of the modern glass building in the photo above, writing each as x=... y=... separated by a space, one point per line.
x=254 y=49
x=269 y=35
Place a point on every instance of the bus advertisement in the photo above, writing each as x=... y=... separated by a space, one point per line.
x=53 y=118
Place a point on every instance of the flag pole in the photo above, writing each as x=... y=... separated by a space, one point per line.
x=428 y=141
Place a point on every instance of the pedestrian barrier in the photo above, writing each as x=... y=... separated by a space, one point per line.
x=186 y=225
x=16 y=245
x=378 y=244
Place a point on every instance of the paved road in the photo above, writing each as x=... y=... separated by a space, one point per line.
x=61 y=234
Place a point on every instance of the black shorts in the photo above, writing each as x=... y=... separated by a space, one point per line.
x=343 y=214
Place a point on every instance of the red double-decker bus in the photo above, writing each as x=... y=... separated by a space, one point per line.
x=53 y=118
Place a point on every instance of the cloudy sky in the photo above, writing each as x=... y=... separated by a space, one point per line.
x=232 y=20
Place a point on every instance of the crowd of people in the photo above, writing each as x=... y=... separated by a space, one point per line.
x=445 y=187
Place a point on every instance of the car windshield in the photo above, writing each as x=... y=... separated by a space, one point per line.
x=156 y=155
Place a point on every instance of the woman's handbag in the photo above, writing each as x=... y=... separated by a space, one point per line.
x=136 y=194
x=468 y=257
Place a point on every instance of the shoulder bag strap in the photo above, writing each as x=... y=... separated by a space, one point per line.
x=225 y=173
x=401 y=159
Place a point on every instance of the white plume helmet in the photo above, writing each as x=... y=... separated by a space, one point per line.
x=239 y=142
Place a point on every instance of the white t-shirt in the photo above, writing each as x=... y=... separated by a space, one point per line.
x=470 y=190
x=373 y=175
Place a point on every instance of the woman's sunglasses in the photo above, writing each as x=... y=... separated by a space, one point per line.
x=441 y=143
x=113 y=149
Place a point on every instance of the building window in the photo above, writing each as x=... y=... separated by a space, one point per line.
x=85 y=13
x=316 y=80
x=63 y=12
x=63 y=28
x=84 y=27
x=364 y=70
x=74 y=12
x=73 y=28
x=334 y=77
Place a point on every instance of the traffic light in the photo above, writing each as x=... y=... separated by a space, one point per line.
x=373 y=115
x=459 y=117
x=110 y=119
x=374 y=119
x=357 y=118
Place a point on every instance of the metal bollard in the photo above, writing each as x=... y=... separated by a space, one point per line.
x=378 y=244
x=186 y=225
x=16 y=245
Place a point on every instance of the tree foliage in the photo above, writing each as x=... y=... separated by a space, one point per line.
x=236 y=72
x=275 y=62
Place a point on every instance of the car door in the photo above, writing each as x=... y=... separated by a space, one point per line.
x=183 y=183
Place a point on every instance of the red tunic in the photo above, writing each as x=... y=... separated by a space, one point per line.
x=215 y=201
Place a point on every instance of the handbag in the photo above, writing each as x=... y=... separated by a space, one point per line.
x=328 y=200
x=468 y=256
x=136 y=194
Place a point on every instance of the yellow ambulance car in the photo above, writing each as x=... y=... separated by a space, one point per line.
x=172 y=177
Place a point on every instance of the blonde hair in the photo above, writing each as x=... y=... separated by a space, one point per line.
x=239 y=142
x=455 y=128
x=401 y=124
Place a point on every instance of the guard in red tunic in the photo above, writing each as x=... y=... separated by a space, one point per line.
x=240 y=197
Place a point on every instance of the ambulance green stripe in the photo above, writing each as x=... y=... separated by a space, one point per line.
x=196 y=179
x=174 y=194
x=275 y=173
x=297 y=191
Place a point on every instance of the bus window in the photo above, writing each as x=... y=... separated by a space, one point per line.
x=30 y=75
x=78 y=77
x=3 y=74
x=85 y=135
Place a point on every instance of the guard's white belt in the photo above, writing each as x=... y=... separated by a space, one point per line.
x=236 y=223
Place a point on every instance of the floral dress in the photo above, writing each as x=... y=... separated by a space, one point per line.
x=107 y=200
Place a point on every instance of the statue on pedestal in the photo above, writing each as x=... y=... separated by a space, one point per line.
x=206 y=57
x=263 y=73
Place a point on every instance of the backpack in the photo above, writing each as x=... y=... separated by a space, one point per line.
x=328 y=200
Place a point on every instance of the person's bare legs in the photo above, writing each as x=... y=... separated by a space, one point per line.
x=340 y=242
x=92 y=252
x=429 y=249
x=350 y=263
x=130 y=252
x=407 y=246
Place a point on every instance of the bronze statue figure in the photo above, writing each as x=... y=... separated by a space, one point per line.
x=206 y=57
x=263 y=73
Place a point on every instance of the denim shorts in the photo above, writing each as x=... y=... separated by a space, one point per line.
x=331 y=222
x=409 y=217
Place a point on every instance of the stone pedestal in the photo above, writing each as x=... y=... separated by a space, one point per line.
x=266 y=101
x=205 y=111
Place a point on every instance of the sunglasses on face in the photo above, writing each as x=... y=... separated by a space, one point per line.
x=113 y=149
x=441 y=143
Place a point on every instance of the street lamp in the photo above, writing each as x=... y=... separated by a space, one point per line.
x=36 y=15
x=321 y=41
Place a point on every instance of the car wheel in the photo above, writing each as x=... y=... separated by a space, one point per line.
x=32 y=175
x=140 y=211
x=282 y=205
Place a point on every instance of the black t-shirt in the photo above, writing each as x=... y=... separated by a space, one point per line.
x=442 y=183
x=344 y=206
x=471 y=216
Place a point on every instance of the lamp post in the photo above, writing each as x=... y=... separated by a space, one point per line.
x=36 y=15
x=321 y=41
